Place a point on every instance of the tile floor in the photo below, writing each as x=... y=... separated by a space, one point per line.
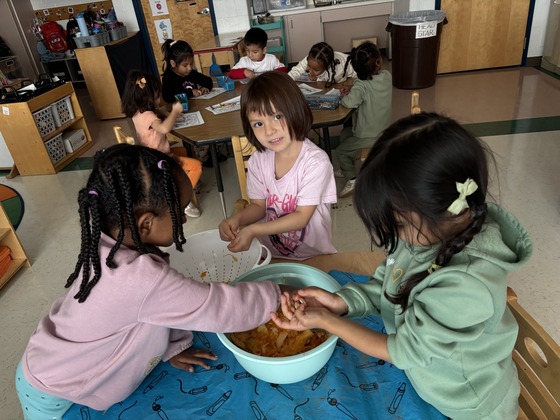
x=516 y=110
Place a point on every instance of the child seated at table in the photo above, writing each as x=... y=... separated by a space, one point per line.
x=126 y=309
x=290 y=180
x=441 y=292
x=180 y=76
x=140 y=101
x=372 y=96
x=323 y=64
x=256 y=60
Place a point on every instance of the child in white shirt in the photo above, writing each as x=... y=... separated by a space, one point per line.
x=257 y=60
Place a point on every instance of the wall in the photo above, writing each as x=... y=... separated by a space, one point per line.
x=233 y=16
x=123 y=8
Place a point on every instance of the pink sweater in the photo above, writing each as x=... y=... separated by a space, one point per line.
x=98 y=352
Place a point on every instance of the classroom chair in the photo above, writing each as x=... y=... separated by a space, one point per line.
x=537 y=357
x=414 y=109
x=242 y=151
x=124 y=138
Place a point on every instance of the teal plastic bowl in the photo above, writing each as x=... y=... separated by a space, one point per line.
x=290 y=369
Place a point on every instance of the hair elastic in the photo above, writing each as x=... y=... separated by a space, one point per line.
x=465 y=189
x=93 y=192
x=434 y=267
x=161 y=164
x=172 y=43
x=141 y=82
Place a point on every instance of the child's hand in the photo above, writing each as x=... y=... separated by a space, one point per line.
x=301 y=317
x=249 y=74
x=187 y=359
x=204 y=90
x=242 y=241
x=344 y=90
x=177 y=107
x=315 y=297
x=228 y=229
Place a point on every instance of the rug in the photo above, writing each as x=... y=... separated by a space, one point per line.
x=12 y=202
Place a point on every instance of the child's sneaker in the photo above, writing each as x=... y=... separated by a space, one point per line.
x=338 y=174
x=348 y=188
x=192 y=211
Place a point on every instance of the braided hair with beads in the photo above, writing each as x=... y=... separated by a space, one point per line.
x=324 y=53
x=414 y=167
x=126 y=181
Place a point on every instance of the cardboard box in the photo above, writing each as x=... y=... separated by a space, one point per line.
x=73 y=140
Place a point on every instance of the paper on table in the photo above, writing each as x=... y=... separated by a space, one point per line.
x=230 y=105
x=188 y=120
x=308 y=90
x=333 y=91
x=214 y=92
x=303 y=78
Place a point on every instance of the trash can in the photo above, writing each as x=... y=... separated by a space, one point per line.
x=415 y=40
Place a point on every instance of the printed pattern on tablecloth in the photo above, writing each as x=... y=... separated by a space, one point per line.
x=350 y=386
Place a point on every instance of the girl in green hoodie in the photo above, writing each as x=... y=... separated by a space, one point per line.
x=441 y=291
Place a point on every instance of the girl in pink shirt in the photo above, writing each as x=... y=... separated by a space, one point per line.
x=140 y=101
x=290 y=180
x=126 y=309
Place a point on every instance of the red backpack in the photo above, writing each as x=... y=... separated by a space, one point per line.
x=54 y=36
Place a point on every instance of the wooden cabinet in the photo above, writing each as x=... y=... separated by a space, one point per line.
x=483 y=34
x=67 y=69
x=29 y=149
x=341 y=26
x=9 y=238
x=303 y=30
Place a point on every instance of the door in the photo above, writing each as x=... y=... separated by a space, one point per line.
x=482 y=34
x=191 y=21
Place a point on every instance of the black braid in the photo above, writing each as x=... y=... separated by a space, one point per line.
x=349 y=59
x=447 y=250
x=126 y=181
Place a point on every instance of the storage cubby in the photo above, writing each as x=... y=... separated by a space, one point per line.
x=33 y=153
x=9 y=238
x=67 y=69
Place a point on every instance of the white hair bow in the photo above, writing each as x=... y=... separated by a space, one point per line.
x=465 y=189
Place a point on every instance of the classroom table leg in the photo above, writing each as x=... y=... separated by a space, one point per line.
x=218 y=174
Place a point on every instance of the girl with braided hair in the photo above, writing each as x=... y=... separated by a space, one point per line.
x=372 y=97
x=441 y=292
x=323 y=64
x=126 y=309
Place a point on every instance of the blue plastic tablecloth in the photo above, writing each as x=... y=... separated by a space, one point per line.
x=350 y=386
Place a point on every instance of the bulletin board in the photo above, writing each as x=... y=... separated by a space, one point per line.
x=64 y=12
x=188 y=23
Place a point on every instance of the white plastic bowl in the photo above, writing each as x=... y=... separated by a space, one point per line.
x=207 y=258
x=286 y=370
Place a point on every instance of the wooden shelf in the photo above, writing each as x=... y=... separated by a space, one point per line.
x=24 y=140
x=9 y=238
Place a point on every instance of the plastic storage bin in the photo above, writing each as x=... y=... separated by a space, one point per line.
x=62 y=112
x=415 y=38
x=285 y=5
x=92 y=40
x=55 y=148
x=322 y=101
x=118 y=33
x=45 y=121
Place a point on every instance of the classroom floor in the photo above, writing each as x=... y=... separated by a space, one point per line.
x=515 y=110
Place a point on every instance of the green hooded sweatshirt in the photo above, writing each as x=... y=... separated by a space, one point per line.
x=455 y=339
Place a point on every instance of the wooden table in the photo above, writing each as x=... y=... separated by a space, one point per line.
x=219 y=128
